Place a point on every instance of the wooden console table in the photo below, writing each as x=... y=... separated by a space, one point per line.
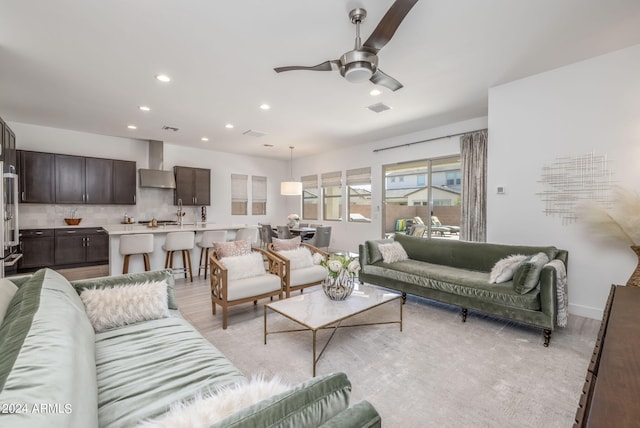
x=612 y=387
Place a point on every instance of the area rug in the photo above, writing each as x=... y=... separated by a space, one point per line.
x=438 y=372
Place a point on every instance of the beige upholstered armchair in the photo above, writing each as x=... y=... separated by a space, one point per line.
x=301 y=268
x=241 y=279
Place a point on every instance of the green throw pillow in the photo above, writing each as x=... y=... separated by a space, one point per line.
x=527 y=275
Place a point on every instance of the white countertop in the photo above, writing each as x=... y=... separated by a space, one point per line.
x=128 y=229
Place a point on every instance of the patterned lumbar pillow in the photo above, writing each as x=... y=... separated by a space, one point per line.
x=117 y=306
x=298 y=258
x=246 y=266
x=393 y=252
x=286 y=244
x=527 y=275
x=504 y=269
x=232 y=249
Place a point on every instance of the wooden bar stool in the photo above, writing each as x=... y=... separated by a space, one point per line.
x=208 y=238
x=179 y=241
x=136 y=244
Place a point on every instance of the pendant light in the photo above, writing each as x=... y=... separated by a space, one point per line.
x=291 y=187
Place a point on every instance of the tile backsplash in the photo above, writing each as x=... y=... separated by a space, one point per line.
x=156 y=203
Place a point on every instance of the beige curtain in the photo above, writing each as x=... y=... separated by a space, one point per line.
x=473 y=157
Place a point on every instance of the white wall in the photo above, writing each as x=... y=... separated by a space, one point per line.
x=592 y=105
x=151 y=202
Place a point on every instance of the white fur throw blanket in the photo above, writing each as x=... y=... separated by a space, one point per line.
x=562 y=292
x=204 y=411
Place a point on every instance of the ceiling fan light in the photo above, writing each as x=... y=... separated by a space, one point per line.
x=358 y=72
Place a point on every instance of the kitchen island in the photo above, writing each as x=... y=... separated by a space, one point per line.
x=157 y=257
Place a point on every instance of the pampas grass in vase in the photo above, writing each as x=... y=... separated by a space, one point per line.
x=620 y=222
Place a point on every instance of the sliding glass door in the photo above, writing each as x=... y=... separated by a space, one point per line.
x=423 y=198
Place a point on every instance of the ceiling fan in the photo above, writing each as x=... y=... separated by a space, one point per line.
x=361 y=63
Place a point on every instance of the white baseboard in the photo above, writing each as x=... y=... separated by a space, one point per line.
x=586 y=311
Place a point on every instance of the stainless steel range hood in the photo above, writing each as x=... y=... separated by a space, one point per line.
x=155 y=176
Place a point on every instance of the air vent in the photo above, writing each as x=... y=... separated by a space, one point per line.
x=378 y=107
x=253 y=133
x=170 y=128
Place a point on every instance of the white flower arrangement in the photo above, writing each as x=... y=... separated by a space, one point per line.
x=293 y=217
x=338 y=265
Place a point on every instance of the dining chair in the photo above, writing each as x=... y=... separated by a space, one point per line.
x=284 y=232
x=322 y=238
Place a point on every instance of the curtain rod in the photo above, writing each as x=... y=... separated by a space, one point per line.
x=426 y=141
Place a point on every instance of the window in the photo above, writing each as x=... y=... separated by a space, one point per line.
x=332 y=195
x=429 y=196
x=258 y=195
x=310 y=197
x=454 y=178
x=239 y=194
x=359 y=194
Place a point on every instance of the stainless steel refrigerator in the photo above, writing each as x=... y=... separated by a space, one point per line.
x=9 y=229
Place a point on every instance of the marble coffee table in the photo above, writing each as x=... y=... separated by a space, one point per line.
x=315 y=311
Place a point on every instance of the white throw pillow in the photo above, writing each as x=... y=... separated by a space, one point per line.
x=247 y=266
x=7 y=291
x=505 y=268
x=393 y=252
x=110 y=307
x=208 y=410
x=298 y=258
x=317 y=258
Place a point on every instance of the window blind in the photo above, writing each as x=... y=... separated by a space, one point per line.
x=359 y=176
x=239 y=188
x=332 y=179
x=258 y=188
x=310 y=182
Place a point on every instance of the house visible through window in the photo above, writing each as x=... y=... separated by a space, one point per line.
x=258 y=195
x=310 y=197
x=239 y=194
x=332 y=195
x=359 y=194
x=420 y=180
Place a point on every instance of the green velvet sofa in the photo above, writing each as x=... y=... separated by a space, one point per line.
x=457 y=273
x=56 y=371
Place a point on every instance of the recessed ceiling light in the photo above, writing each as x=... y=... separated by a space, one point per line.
x=132 y=127
x=144 y=108
x=375 y=92
x=228 y=126
x=204 y=139
x=163 y=78
x=265 y=106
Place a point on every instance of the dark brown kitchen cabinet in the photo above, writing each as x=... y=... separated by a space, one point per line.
x=81 y=180
x=98 y=181
x=81 y=246
x=193 y=185
x=70 y=179
x=36 y=177
x=124 y=182
x=37 y=248
x=8 y=148
x=97 y=245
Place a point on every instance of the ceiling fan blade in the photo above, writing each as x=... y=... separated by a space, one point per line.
x=388 y=25
x=382 y=79
x=325 y=66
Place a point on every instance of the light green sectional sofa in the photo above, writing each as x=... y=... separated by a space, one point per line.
x=457 y=272
x=55 y=371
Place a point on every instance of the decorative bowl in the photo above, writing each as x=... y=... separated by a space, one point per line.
x=72 y=221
